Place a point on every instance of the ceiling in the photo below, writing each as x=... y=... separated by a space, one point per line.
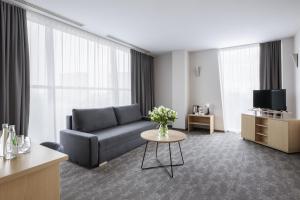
x=164 y=25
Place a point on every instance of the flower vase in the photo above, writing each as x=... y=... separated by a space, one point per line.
x=163 y=130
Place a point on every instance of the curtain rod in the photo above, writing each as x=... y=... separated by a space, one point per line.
x=52 y=15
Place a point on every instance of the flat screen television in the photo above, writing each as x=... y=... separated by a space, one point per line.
x=270 y=99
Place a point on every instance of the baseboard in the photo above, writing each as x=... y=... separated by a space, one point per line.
x=181 y=129
x=178 y=129
x=219 y=130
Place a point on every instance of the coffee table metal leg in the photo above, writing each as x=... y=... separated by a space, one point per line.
x=144 y=154
x=161 y=164
x=181 y=153
x=171 y=164
x=156 y=149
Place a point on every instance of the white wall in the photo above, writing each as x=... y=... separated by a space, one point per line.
x=206 y=88
x=163 y=80
x=180 y=87
x=171 y=73
x=171 y=85
x=297 y=42
x=297 y=75
x=288 y=70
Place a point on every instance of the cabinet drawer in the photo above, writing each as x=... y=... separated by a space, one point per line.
x=248 y=127
x=278 y=134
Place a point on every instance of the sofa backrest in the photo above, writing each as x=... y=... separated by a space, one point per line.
x=88 y=120
x=128 y=114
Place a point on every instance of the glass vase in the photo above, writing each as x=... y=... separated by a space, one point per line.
x=163 y=130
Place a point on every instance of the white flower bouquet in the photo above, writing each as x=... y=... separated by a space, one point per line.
x=163 y=116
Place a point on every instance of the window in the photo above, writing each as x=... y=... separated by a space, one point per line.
x=239 y=76
x=71 y=69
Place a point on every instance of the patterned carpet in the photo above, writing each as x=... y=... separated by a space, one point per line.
x=218 y=166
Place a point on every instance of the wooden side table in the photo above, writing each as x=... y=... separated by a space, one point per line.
x=31 y=176
x=206 y=121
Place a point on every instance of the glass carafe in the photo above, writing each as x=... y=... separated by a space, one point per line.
x=11 y=144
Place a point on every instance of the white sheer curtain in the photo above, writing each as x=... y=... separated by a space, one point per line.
x=239 y=76
x=71 y=69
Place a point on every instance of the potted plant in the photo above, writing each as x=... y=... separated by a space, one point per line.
x=162 y=116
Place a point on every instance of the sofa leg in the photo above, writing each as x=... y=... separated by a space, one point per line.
x=103 y=164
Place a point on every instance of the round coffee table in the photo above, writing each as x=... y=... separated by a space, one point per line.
x=173 y=137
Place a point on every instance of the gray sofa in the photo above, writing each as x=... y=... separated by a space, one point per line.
x=94 y=136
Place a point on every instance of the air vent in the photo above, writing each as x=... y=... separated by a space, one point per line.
x=44 y=11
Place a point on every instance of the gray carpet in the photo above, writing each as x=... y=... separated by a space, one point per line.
x=218 y=166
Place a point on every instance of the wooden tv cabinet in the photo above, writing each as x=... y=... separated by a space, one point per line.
x=278 y=133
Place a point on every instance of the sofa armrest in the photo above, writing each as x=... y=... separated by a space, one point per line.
x=81 y=147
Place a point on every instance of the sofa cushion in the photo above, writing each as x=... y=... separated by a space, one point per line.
x=88 y=120
x=123 y=133
x=128 y=114
x=120 y=139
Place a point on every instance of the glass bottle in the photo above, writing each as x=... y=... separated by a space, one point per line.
x=3 y=138
x=11 y=144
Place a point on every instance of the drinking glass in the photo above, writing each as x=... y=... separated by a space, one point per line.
x=20 y=141
x=26 y=145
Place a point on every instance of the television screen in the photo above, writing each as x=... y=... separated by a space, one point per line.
x=270 y=99
x=278 y=99
x=261 y=99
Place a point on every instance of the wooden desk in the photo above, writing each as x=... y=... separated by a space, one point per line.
x=206 y=121
x=31 y=176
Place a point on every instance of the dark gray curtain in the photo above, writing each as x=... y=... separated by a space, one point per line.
x=142 y=82
x=14 y=69
x=270 y=65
